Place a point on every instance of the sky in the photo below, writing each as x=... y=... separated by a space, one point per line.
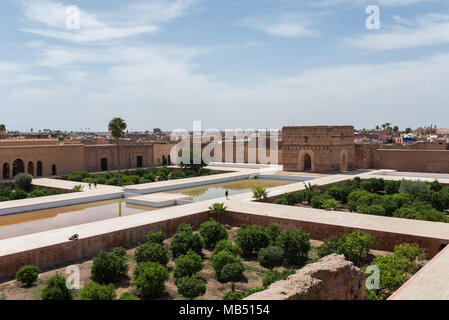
x=229 y=64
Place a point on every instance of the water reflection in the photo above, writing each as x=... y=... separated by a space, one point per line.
x=43 y=220
x=218 y=190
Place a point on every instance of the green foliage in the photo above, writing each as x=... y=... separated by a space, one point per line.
x=184 y=227
x=410 y=251
x=232 y=272
x=155 y=237
x=252 y=238
x=392 y=187
x=43 y=192
x=273 y=232
x=152 y=252
x=329 y=204
x=281 y=200
x=149 y=278
x=436 y=199
x=128 y=296
x=18 y=194
x=354 y=246
x=195 y=161
x=436 y=186
x=191 y=287
x=217 y=209
x=375 y=209
x=295 y=244
x=78 y=188
x=27 y=274
x=309 y=192
x=227 y=245
x=187 y=265
x=212 y=232
x=109 y=267
x=373 y=185
x=223 y=258
x=271 y=257
x=95 y=291
x=23 y=181
x=273 y=276
x=55 y=289
x=233 y=295
x=413 y=187
x=420 y=211
x=260 y=193
x=177 y=175
x=293 y=198
x=184 y=241
x=150 y=176
x=317 y=201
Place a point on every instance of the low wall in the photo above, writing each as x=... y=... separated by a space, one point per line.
x=412 y=160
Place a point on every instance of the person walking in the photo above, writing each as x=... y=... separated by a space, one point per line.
x=95 y=183
x=227 y=194
x=90 y=185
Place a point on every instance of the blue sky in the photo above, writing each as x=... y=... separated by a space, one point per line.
x=231 y=64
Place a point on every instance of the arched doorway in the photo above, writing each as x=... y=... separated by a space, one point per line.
x=39 y=169
x=344 y=163
x=30 y=168
x=307 y=162
x=53 y=170
x=6 y=171
x=17 y=167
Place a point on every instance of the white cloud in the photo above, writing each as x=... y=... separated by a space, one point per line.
x=386 y=3
x=48 y=18
x=293 y=25
x=432 y=29
x=12 y=74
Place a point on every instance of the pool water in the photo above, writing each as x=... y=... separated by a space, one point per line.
x=18 y=224
x=218 y=190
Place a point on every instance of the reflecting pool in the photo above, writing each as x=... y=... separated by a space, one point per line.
x=42 y=220
x=218 y=190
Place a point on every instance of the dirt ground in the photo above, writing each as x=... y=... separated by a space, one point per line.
x=252 y=277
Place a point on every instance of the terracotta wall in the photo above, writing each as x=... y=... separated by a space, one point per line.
x=412 y=160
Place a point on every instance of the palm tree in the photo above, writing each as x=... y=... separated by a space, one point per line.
x=217 y=209
x=117 y=126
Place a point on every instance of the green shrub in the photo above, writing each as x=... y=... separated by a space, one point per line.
x=341 y=191
x=55 y=289
x=128 y=296
x=152 y=252
x=18 y=194
x=23 y=181
x=273 y=232
x=392 y=187
x=233 y=295
x=260 y=193
x=413 y=187
x=95 y=291
x=212 y=232
x=119 y=252
x=252 y=238
x=221 y=259
x=317 y=201
x=410 y=251
x=156 y=237
x=227 y=245
x=296 y=245
x=375 y=209
x=281 y=200
x=149 y=278
x=150 y=177
x=434 y=198
x=309 y=192
x=232 y=272
x=420 y=211
x=184 y=241
x=27 y=274
x=373 y=185
x=187 y=265
x=436 y=186
x=177 y=175
x=140 y=172
x=191 y=287
x=108 y=267
x=292 y=198
x=184 y=227
x=271 y=257
x=354 y=246
x=78 y=188
x=329 y=204
x=273 y=276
